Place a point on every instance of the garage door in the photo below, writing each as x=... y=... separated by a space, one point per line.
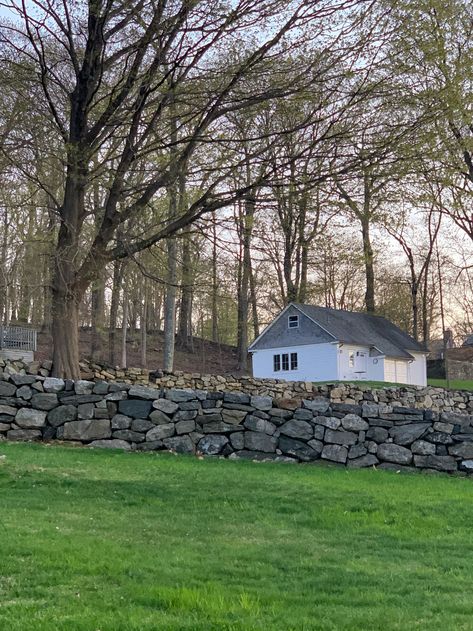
x=395 y=371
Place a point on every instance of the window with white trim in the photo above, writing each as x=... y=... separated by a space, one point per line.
x=293 y=322
x=285 y=362
x=351 y=359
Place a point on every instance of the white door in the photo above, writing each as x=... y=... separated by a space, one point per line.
x=395 y=371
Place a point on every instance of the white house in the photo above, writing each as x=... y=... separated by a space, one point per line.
x=307 y=343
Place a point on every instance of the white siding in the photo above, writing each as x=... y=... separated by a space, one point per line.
x=316 y=362
x=396 y=370
x=365 y=368
x=418 y=369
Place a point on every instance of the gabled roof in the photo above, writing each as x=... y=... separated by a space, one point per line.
x=352 y=327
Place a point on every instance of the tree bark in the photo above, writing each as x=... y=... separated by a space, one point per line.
x=369 y=265
x=124 y=361
x=247 y=227
x=98 y=316
x=118 y=271
x=144 y=327
x=184 y=332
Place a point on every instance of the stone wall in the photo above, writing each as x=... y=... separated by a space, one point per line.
x=460 y=369
x=343 y=424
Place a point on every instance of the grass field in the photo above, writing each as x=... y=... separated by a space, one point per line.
x=109 y=541
x=455 y=384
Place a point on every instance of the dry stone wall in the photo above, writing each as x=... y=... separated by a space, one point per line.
x=357 y=427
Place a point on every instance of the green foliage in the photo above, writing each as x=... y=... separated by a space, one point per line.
x=135 y=542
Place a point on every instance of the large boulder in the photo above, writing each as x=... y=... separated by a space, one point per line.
x=257 y=441
x=113 y=443
x=394 y=453
x=340 y=437
x=27 y=418
x=256 y=424
x=212 y=444
x=24 y=434
x=87 y=430
x=44 y=401
x=335 y=453
x=354 y=423
x=144 y=392
x=300 y=450
x=261 y=403
x=407 y=434
x=62 y=414
x=136 y=408
x=440 y=463
x=7 y=389
x=165 y=406
x=53 y=384
x=297 y=429
x=159 y=432
x=180 y=444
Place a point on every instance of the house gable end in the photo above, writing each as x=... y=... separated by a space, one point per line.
x=279 y=335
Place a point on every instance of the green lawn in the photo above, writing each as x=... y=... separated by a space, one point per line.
x=109 y=541
x=455 y=384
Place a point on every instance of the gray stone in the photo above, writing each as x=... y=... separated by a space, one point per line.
x=143 y=392
x=22 y=380
x=369 y=409
x=85 y=411
x=166 y=406
x=340 y=437
x=335 y=453
x=394 y=453
x=78 y=399
x=4 y=427
x=236 y=397
x=422 y=448
x=456 y=418
x=120 y=421
x=101 y=387
x=297 y=429
x=140 y=425
x=24 y=392
x=278 y=415
x=256 y=424
x=219 y=427
x=24 y=434
x=185 y=415
x=462 y=450
x=185 y=427
x=7 y=389
x=91 y=429
x=118 y=395
x=261 y=403
x=100 y=413
x=159 y=418
x=114 y=443
x=447 y=428
x=62 y=414
x=440 y=438
x=257 y=441
x=53 y=384
x=129 y=435
x=44 y=401
x=303 y=415
x=212 y=445
x=354 y=423
x=159 y=432
x=298 y=449
x=467 y=465
x=369 y=460
x=356 y=451
x=328 y=421
x=208 y=418
x=237 y=440
x=188 y=406
x=8 y=410
x=84 y=387
x=176 y=395
x=320 y=406
x=27 y=418
x=439 y=463
x=319 y=431
x=151 y=445
x=136 y=408
x=234 y=417
x=180 y=444
x=316 y=445
x=378 y=434
x=407 y=434
x=238 y=406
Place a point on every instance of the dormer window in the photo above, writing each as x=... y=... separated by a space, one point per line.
x=293 y=322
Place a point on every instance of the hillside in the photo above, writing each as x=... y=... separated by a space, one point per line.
x=207 y=357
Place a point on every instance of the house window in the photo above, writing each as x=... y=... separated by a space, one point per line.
x=277 y=362
x=293 y=361
x=293 y=322
x=351 y=359
x=285 y=361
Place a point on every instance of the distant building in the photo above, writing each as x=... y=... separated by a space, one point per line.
x=17 y=342
x=308 y=343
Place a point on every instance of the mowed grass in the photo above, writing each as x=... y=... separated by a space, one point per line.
x=109 y=541
x=455 y=384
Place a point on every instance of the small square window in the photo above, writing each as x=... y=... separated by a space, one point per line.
x=351 y=359
x=293 y=361
x=293 y=322
x=277 y=362
x=285 y=361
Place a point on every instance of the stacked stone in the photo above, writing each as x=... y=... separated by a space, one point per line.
x=235 y=424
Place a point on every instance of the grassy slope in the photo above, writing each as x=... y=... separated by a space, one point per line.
x=455 y=384
x=95 y=540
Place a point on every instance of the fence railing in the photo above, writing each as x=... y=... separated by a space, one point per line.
x=17 y=337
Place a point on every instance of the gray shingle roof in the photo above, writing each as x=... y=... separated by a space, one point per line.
x=362 y=328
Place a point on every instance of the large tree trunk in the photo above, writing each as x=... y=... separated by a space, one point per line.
x=369 y=265
x=242 y=350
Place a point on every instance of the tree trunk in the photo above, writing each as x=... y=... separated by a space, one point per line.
x=254 y=304
x=124 y=330
x=65 y=323
x=98 y=316
x=369 y=265
x=242 y=349
x=143 y=327
x=118 y=271
x=214 y=281
x=186 y=294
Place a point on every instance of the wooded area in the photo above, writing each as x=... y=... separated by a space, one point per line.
x=193 y=166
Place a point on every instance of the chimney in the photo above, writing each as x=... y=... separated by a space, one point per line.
x=448 y=338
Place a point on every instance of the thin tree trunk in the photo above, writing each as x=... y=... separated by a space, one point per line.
x=118 y=271
x=242 y=349
x=97 y=316
x=124 y=330
x=186 y=292
x=214 y=281
x=143 y=327
x=369 y=265
x=254 y=304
